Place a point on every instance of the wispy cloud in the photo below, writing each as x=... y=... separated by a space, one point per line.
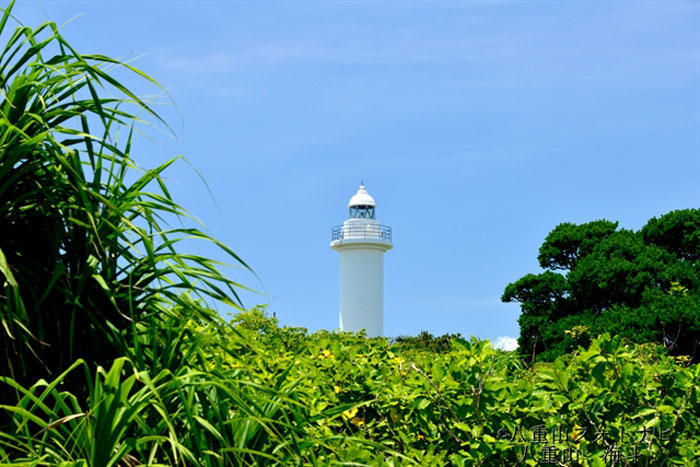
x=241 y=57
x=520 y=49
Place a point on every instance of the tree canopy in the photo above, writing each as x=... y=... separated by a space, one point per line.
x=643 y=285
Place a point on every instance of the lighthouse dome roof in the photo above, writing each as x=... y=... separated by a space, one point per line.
x=361 y=198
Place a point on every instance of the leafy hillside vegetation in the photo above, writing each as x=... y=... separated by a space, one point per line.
x=251 y=392
x=112 y=355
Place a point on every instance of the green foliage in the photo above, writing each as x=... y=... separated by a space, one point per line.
x=641 y=285
x=568 y=243
x=677 y=232
x=248 y=398
x=87 y=259
x=426 y=341
x=255 y=319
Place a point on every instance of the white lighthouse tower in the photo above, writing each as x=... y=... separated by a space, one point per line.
x=361 y=242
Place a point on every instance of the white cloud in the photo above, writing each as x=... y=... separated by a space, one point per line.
x=506 y=343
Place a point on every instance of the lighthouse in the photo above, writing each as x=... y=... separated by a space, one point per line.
x=362 y=241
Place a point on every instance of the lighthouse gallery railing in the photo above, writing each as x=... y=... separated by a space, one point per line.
x=362 y=231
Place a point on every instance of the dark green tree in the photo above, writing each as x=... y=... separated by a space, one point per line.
x=642 y=285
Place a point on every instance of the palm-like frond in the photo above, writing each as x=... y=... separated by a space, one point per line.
x=87 y=259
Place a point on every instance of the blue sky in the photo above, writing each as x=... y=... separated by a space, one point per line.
x=477 y=127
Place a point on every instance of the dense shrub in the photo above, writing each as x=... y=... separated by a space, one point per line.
x=426 y=341
x=285 y=396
